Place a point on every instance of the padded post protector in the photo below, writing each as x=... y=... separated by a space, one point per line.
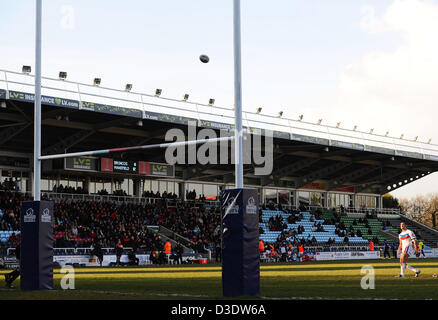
x=240 y=243
x=36 y=261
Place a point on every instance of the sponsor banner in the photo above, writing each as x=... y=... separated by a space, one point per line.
x=344 y=188
x=2 y=94
x=258 y=131
x=106 y=165
x=409 y=154
x=167 y=118
x=430 y=157
x=9 y=262
x=281 y=135
x=347 y=145
x=379 y=150
x=14 y=162
x=92 y=261
x=308 y=256
x=81 y=164
x=144 y=168
x=50 y=101
x=104 y=108
x=346 y=255
x=159 y=169
x=314 y=140
x=315 y=186
x=214 y=125
x=428 y=253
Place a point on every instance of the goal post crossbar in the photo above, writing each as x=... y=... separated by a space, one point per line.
x=135 y=148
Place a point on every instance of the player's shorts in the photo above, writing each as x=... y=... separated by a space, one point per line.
x=409 y=250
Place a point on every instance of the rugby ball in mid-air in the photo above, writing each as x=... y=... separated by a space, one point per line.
x=204 y=58
x=434 y=275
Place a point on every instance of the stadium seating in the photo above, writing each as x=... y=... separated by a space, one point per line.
x=4 y=235
x=321 y=237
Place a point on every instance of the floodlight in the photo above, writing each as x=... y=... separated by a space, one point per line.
x=355 y=128
x=319 y=121
x=97 y=81
x=128 y=87
x=211 y=102
x=338 y=125
x=402 y=135
x=300 y=118
x=27 y=69
x=259 y=110
x=429 y=141
x=158 y=92
x=62 y=75
x=416 y=138
x=371 y=131
x=280 y=114
x=387 y=133
x=186 y=97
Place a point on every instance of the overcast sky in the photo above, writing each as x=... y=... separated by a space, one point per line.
x=370 y=63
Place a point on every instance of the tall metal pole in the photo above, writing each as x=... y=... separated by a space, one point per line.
x=37 y=120
x=238 y=96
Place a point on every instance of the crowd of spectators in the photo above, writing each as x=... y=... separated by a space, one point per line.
x=192 y=195
x=10 y=208
x=68 y=189
x=158 y=195
x=9 y=185
x=84 y=223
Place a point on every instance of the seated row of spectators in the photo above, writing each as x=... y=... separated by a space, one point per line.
x=276 y=223
x=10 y=209
x=158 y=195
x=9 y=185
x=68 y=189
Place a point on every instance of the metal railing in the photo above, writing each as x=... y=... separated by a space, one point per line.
x=420 y=225
x=81 y=92
x=365 y=210
x=122 y=199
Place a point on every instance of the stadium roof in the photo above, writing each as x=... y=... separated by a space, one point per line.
x=81 y=117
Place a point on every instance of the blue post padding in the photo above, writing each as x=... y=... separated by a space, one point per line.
x=36 y=262
x=240 y=243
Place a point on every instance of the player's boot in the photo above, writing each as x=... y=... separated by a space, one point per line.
x=7 y=277
x=399 y=276
x=8 y=281
x=417 y=274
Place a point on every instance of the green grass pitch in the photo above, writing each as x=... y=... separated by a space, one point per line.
x=307 y=280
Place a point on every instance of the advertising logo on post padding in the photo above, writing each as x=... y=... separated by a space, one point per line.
x=29 y=216
x=251 y=207
x=46 y=216
x=232 y=207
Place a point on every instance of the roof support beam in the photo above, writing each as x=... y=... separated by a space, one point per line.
x=350 y=177
x=322 y=173
x=288 y=170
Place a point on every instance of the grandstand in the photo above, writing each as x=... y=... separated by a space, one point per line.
x=322 y=175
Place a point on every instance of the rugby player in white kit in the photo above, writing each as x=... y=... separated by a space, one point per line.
x=408 y=247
